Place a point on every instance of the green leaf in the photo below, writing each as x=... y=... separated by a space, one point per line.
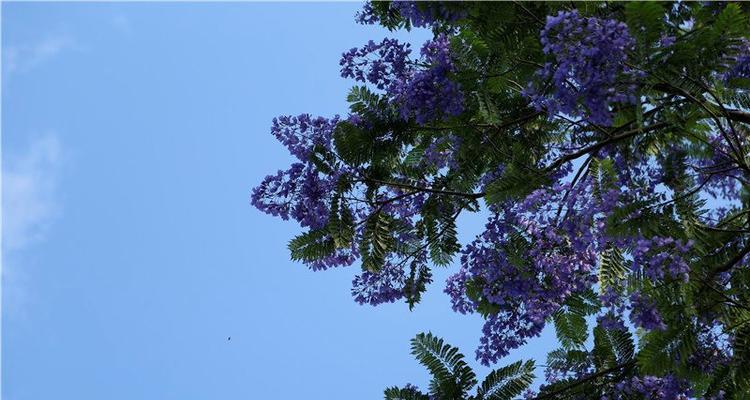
x=741 y=357
x=731 y=21
x=621 y=342
x=665 y=351
x=453 y=376
x=442 y=238
x=415 y=156
x=376 y=242
x=416 y=283
x=340 y=222
x=612 y=268
x=312 y=245
x=645 y=20
x=603 y=352
x=395 y=393
x=515 y=182
x=507 y=382
x=571 y=329
x=562 y=359
x=487 y=108
x=352 y=144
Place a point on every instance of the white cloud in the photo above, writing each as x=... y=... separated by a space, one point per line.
x=22 y=57
x=30 y=180
x=29 y=183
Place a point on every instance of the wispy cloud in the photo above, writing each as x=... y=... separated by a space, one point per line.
x=30 y=180
x=30 y=183
x=23 y=57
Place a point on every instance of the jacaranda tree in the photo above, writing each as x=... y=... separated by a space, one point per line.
x=608 y=145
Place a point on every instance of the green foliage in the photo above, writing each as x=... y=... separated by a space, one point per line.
x=515 y=182
x=619 y=342
x=645 y=20
x=453 y=379
x=311 y=245
x=441 y=235
x=376 y=242
x=395 y=393
x=742 y=355
x=340 y=222
x=509 y=149
x=353 y=145
x=612 y=268
x=662 y=351
x=604 y=176
x=562 y=359
x=507 y=382
x=452 y=375
x=416 y=284
x=571 y=329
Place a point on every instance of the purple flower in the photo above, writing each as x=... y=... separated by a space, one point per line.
x=741 y=66
x=590 y=56
x=425 y=94
x=667 y=387
x=419 y=14
x=662 y=256
x=430 y=94
x=526 y=264
x=381 y=64
x=384 y=286
x=644 y=314
x=303 y=192
x=666 y=40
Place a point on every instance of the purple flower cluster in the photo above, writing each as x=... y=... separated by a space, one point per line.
x=426 y=94
x=643 y=313
x=666 y=40
x=390 y=283
x=302 y=192
x=590 y=56
x=430 y=94
x=366 y=16
x=419 y=14
x=441 y=153
x=741 y=66
x=302 y=133
x=536 y=253
x=385 y=286
x=527 y=263
x=662 y=256
x=381 y=64
x=612 y=317
x=712 y=350
x=648 y=387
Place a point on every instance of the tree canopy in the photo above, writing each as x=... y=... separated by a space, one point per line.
x=607 y=142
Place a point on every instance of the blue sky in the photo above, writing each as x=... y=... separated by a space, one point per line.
x=132 y=135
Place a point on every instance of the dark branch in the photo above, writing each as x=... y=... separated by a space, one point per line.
x=472 y=196
x=554 y=393
x=599 y=145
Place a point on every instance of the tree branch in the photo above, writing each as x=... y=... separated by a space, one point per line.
x=552 y=394
x=472 y=196
x=597 y=146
